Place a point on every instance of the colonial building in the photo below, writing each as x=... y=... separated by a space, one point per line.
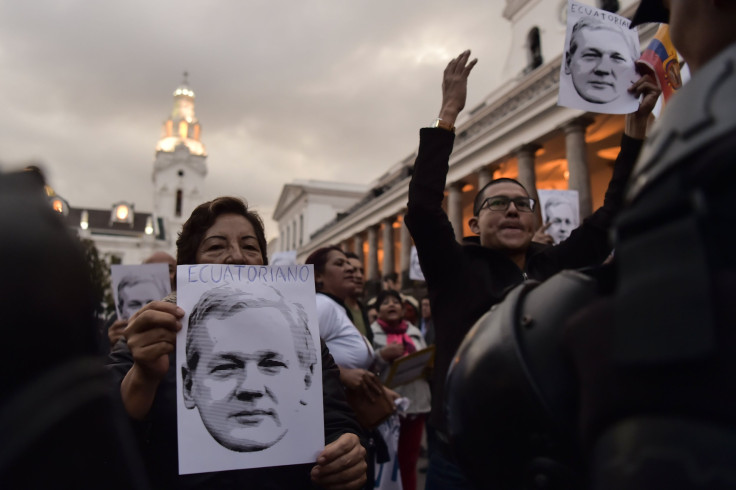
x=127 y=236
x=305 y=206
x=517 y=131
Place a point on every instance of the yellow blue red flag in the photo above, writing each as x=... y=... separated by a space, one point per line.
x=660 y=56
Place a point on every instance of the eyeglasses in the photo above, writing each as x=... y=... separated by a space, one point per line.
x=501 y=203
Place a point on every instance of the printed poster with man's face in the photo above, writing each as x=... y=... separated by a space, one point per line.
x=598 y=62
x=134 y=286
x=560 y=212
x=248 y=364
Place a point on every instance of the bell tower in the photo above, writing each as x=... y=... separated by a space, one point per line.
x=180 y=166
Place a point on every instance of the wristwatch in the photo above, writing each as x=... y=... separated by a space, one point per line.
x=439 y=123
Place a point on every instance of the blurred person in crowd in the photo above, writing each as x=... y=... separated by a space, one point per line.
x=354 y=301
x=390 y=281
x=411 y=309
x=395 y=338
x=425 y=324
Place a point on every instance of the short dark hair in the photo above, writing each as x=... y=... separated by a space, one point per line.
x=351 y=255
x=478 y=201
x=204 y=216
x=318 y=259
x=224 y=302
x=391 y=276
x=385 y=294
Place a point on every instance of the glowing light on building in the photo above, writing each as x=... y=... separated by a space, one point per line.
x=122 y=212
x=57 y=205
x=149 y=226
x=84 y=220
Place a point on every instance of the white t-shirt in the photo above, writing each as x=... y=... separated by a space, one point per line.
x=347 y=345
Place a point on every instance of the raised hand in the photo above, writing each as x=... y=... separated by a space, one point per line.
x=541 y=236
x=455 y=86
x=636 y=122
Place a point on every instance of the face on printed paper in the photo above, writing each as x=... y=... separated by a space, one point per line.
x=136 y=296
x=597 y=63
x=562 y=221
x=246 y=387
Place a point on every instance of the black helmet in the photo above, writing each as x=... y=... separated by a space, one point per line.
x=511 y=392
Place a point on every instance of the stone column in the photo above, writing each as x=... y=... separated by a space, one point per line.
x=577 y=162
x=485 y=175
x=525 y=156
x=405 y=255
x=455 y=208
x=358 y=246
x=388 y=245
x=373 y=274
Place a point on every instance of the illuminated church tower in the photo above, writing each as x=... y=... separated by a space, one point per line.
x=180 y=165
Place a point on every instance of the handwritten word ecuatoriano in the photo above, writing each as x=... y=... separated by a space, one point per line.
x=593 y=12
x=251 y=273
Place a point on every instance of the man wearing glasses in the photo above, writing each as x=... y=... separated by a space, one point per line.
x=466 y=280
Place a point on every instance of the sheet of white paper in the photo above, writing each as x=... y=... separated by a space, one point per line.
x=249 y=392
x=415 y=270
x=283 y=258
x=562 y=210
x=134 y=286
x=598 y=61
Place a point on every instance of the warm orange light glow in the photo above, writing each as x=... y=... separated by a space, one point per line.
x=540 y=152
x=57 y=205
x=609 y=153
x=467 y=188
x=121 y=212
x=396 y=224
x=566 y=175
x=183 y=130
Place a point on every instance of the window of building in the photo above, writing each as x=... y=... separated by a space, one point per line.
x=533 y=50
x=301 y=229
x=177 y=208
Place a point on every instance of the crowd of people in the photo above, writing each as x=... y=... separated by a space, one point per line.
x=650 y=358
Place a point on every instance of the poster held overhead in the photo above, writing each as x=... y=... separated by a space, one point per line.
x=598 y=64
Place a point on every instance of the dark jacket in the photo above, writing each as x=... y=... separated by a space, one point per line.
x=158 y=434
x=464 y=281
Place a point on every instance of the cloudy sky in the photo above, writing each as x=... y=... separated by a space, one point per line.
x=329 y=90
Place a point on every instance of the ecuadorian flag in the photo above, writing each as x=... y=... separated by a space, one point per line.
x=660 y=56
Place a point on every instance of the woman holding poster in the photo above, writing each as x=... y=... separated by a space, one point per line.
x=222 y=231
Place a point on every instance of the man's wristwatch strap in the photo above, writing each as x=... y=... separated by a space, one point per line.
x=439 y=123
